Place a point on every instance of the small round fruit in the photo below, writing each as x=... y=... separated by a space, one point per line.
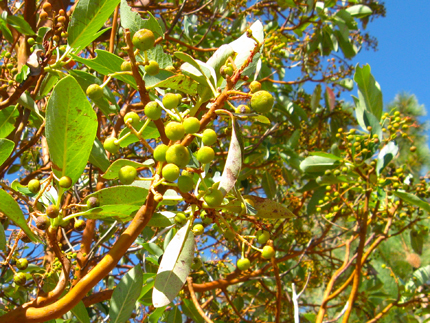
x=205 y=155
x=268 y=252
x=110 y=145
x=143 y=39
x=34 y=186
x=180 y=218
x=171 y=101
x=47 y=6
x=22 y=264
x=30 y=41
x=126 y=66
x=127 y=174
x=170 y=68
x=198 y=229
x=65 y=182
x=133 y=118
x=153 y=110
x=188 y=173
x=191 y=125
x=262 y=101
x=255 y=86
x=152 y=68
x=197 y=263
x=209 y=137
x=178 y=155
x=214 y=197
x=80 y=225
x=185 y=184
x=243 y=264
x=413 y=149
x=95 y=91
x=52 y=211
x=175 y=131
x=8 y=55
x=242 y=109
x=19 y=279
x=43 y=15
x=170 y=172
x=42 y=222
x=262 y=236
x=93 y=202
x=160 y=152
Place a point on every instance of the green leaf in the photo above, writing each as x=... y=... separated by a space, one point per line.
x=112 y=172
x=132 y=20
x=420 y=277
x=6 y=31
x=266 y=208
x=233 y=163
x=369 y=91
x=47 y=84
x=325 y=155
x=218 y=59
x=162 y=219
x=386 y=155
x=417 y=241
x=106 y=63
x=22 y=76
x=87 y=19
x=174 y=316
x=190 y=311
x=269 y=185
x=6 y=148
x=174 y=267
x=359 y=11
x=120 y=212
x=71 y=126
x=19 y=23
x=413 y=200
x=179 y=82
x=2 y=239
x=316 y=97
x=156 y=315
x=121 y=194
x=10 y=208
x=125 y=295
x=98 y=156
x=81 y=313
x=150 y=132
x=317 y=164
x=27 y=102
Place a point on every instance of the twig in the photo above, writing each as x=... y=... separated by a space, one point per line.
x=339 y=315
x=195 y=301
x=296 y=299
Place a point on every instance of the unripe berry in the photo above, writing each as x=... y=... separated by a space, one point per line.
x=170 y=172
x=262 y=101
x=160 y=152
x=209 y=137
x=34 y=186
x=152 y=68
x=127 y=174
x=65 y=182
x=262 y=236
x=243 y=264
x=8 y=55
x=30 y=41
x=198 y=229
x=52 y=211
x=80 y=225
x=413 y=149
x=110 y=145
x=178 y=155
x=22 y=263
x=153 y=110
x=242 y=109
x=175 y=131
x=180 y=218
x=42 y=222
x=214 y=197
x=268 y=252
x=143 y=39
x=171 y=101
x=132 y=118
x=93 y=202
x=19 y=279
x=197 y=264
x=254 y=86
x=95 y=92
x=126 y=66
x=205 y=155
x=191 y=125
x=185 y=184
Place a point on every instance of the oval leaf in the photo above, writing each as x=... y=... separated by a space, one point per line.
x=413 y=200
x=6 y=148
x=120 y=212
x=318 y=164
x=386 y=155
x=122 y=194
x=268 y=209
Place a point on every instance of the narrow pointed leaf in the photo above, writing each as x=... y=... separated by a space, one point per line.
x=7 y=120
x=2 y=239
x=370 y=94
x=98 y=156
x=6 y=148
x=81 y=313
x=413 y=200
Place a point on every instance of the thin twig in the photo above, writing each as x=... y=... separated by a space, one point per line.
x=195 y=301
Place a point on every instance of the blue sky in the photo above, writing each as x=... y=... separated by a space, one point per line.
x=402 y=62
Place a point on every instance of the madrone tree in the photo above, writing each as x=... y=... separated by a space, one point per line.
x=160 y=163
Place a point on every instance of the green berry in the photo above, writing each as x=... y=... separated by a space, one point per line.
x=152 y=68
x=198 y=229
x=93 y=202
x=171 y=101
x=191 y=125
x=242 y=109
x=80 y=225
x=133 y=118
x=209 y=137
x=243 y=264
x=110 y=145
x=34 y=186
x=214 y=197
x=178 y=155
x=160 y=152
x=262 y=236
x=188 y=174
x=180 y=218
x=8 y=55
x=52 y=211
x=262 y=101
x=42 y=222
x=153 y=110
x=126 y=66
x=205 y=155
x=143 y=39
x=170 y=172
x=65 y=182
x=185 y=184
x=254 y=86
x=127 y=174
x=95 y=92
x=30 y=41
x=175 y=131
x=19 y=279
x=9 y=66
x=268 y=252
x=197 y=264
x=22 y=264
